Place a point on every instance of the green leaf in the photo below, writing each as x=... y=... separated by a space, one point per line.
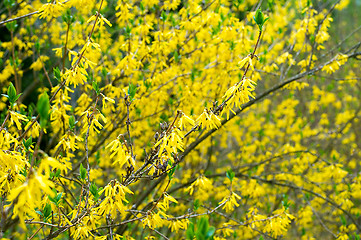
x=196 y=204
x=72 y=122
x=343 y=220
x=94 y=191
x=259 y=19
x=43 y=108
x=39 y=212
x=163 y=16
x=46 y=212
x=357 y=237
x=55 y=199
x=131 y=91
x=202 y=226
x=58 y=197
x=9 y=3
x=57 y=173
x=190 y=231
x=230 y=174
x=11 y=26
x=96 y=87
x=171 y=171
x=210 y=232
x=37 y=45
x=11 y=95
x=82 y=172
x=57 y=74
x=27 y=143
x=11 y=92
x=177 y=57
x=200 y=236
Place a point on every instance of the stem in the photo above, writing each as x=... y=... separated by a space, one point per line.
x=65 y=48
x=46 y=73
x=17 y=82
x=179 y=112
x=17 y=18
x=156 y=203
x=253 y=101
x=217 y=110
x=6 y=118
x=110 y=227
x=90 y=119
x=63 y=83
x=220 y=107
x=32 y=236
x=127 y=103
x=38 y=144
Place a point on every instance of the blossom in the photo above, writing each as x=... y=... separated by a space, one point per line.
x=50 y=10
x=16 y=117
x=208 y=120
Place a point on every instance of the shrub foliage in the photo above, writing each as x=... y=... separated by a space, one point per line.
x=178 y=119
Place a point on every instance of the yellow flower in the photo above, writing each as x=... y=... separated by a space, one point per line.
x=76 y=76
x=50 y=10
x=58 y=52
x=29 y=195
x=154 y=220
x=115 y=197
x=171 y=143
x=184 y=121
x=38 y=64
x=16 y=117
x=178 y=224
x=208 y=120
x=164 y=205
x=230 y=202
x=121 y=153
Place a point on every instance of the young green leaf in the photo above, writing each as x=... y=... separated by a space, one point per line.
x=43 y=108
x=196 y=204
x=230 y=174
x=72 y=122
x=190 y=231
x=210 y=232
x=82 y=172
x=11 y=95
x=57 y=74
x=131 y=91
x=27 y=143
x=96 y=87
x=259 y=19
x=46 y=212
x=94 y=191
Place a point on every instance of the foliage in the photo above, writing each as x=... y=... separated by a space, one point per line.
x=179 y=120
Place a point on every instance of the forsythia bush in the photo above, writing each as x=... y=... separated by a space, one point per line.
x=179 y=119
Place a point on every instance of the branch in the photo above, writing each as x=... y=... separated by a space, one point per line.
x=17 y=18
x=289 y=185
x=257 y=99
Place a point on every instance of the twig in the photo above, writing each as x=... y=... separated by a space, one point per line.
x=156 y=203
x=128 y=103
x=110 y=227
x=36 y=232
x=65 y=47
x=17 y=82
x=5 y=120
x=17 y=18
x=161 y=234
x=288 y=185
x=255 y=100
x=62 y=84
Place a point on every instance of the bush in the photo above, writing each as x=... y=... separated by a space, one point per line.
x=180 y=120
